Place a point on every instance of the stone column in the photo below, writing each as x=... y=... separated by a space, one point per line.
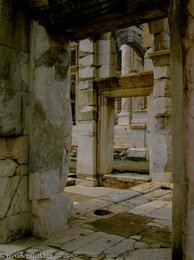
x=87 y=114
x=161 y=127
x=125 y=116
x=182 y=69
x=50 y=131
x=14 y=133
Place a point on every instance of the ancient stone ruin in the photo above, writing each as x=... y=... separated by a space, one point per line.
x=35 y=107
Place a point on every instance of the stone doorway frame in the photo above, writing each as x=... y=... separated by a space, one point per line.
x=135 y=84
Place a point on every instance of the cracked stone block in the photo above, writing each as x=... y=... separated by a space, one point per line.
x=18 y=225
x=162 y=72
x=44 y=184
x=88 y=72
x=106 y=46
x=162 y=106
x=87 y=46
x=106 y=71
x=15 y=148
x=87 y=97
x=7 y=168
x=107 y=58
x=50 y=216
x=88 y=60
x=162 y=88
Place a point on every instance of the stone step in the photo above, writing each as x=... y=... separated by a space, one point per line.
x=124 y=180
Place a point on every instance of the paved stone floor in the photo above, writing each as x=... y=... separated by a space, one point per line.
x=108 y=223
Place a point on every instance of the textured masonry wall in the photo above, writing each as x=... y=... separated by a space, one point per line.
x=14 y=133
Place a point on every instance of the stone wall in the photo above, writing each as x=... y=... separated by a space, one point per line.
x=14 y=132
x=35 y=127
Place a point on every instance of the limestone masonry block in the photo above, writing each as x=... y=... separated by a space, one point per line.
x=88 y=60
x=106 y=71
x=51 y=215
x=20 y=202
x=88 y=72
x=15 y=148
x=106 y=46
x=162 y=72
x=87 y=46
x=162 y=88
x=106 y=58
x=43 y=43
x=8 y=186
x=87 y=97
x=85 y=84
x=18 y=224
x=22 y=170
x=87 y=113
x=10 y=112
x=162 y=106
x=44 y=184
x=7 y=168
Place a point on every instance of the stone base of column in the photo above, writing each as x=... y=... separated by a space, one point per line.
x=50 y=216
x=123 y=118
x=161 y=176
x=89 y=182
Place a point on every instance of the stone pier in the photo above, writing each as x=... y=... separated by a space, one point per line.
x=49 y=133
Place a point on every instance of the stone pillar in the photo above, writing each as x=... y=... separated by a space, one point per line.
x=50 y=128
x=161 y=129
x=125 y=116
x=14 y=134
x=87 y=114
x=182 y=69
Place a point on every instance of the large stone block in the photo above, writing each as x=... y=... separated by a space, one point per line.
x=106 y=71
x=162 y=72
x=86 y=84
x=87 y=46
x=88 y=60
x=87 y=113
x=10 y=112
x=14 y=27
x=12 y=227
x=14 y=69
x=86 y=163
x=162 y=106
x=15 y=148
x=88 y=72
x=162 y=88
x=106 y=46
x=50 y=216
x=7 y=168
x=9 y=187
x=106 y=58
x=20 y=202
x=44 y=184
x=87 y=97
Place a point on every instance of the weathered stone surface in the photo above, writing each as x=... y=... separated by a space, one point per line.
x=106 y=58
x=88 y=72
x=87 y=46
x=50 y=216
x=22 y=170
x=88 y=60
x=7 y=168
x=106 y=46
x=15 y=148
x=87 y=97
x=106 y=71
x=20 y=202
x=162 y=72
x=45 y=184
x=85 y=84
x=9 y=187
x=162 y=106
x=162 y=88
x=10 y=112
x=18 y=225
